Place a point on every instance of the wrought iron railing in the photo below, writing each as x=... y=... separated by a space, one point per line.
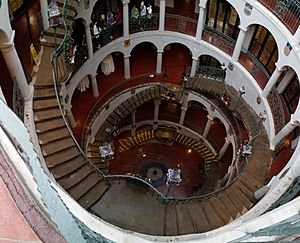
x=180 y=24
x=288 y=11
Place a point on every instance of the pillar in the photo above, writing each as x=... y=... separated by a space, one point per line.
x=201 y=21
x=94 y=85
x=70 y=118
x=194 y=67
x=224 y=148
x=272 y=81
x=89 y=42
x=126 y=18
x=207 y=126
x=285 y=131
x=162 y=9
x=296 y=36
x=159 y=61
x=156 y=112
x=127 y=67
x=239 y=44
x=133 y=123
x=285 y=81
x=15 y=68
x=44 y=13
x=248 y=37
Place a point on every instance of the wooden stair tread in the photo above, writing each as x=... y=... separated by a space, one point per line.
x=220 y=209
x=229 y=205
x=184 y=221
x=67 y=167
x=61 y=157
x=248 y=193
x=72 y=179
x=57 y=146
x=93 y=195
x=251 y=181
x=84 y=185
x=213 y=218
x=46 y=114
x=235 y=201
x=171 y=221
x=53 y=135
x=199 y=219
x=46 y=92
x=242 y=197
x=45 y=104
x=45 y=126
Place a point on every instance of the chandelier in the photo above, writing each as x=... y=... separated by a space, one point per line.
x=106 y=152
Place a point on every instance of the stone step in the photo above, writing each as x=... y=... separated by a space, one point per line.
x=245 y=190
x=47 y=92
x=61 y=157
x=236 y=201
x=223 y=197
x=47 y=137
x=44 y=115
x=49 y=125
x=184 y=221
x=221 y=210
x=44 y=104
x=67 y=167
x=72 y=179
x=241 y=196
x=57 y=146
x=212 y=216
x=170 y=227
x=199 y=218
x=250 y=182
x=93 y=195
x=84 y=185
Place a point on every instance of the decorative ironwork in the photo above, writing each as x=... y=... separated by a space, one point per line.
x=18 y=102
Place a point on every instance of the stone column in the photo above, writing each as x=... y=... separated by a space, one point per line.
x=285 y=81
x=133 y=123
x=207 y=126
x=239 y=44
x=162 y=10
x=223 y=149
x=15 y=68
x=156 y=112
x=201 y=21
x=194 y=67
x=272 y=81
x=44 y=13
x=159 y=61
x=89 y=42
x=184 y=107
x=126 y=18
x=94 y=85
x=296 y=36
x=285 y=131
x=127 y=67
x=248 y=37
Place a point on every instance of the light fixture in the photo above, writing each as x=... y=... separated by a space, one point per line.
x=189 y=151
x=242 y=90
x=54 y=13
x=174 y=176
x=106 y=152
x=263 y=115
x=247 y=149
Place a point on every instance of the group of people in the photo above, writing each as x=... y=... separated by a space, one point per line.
x=141 y=17
x=104 y=28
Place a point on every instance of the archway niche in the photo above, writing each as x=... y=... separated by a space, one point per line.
x=217 y=133
x=208 y=65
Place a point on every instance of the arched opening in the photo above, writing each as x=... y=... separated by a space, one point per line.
x=208 y=65
x=177 y=61
x=143 y=59
x=196 y=117
x=217 y=133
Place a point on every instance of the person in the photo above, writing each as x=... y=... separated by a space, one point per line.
x=149 y=11
x=143 y=10
x=118 y=16
x=110 y=19
x=102 y=21
x=96 y=34
x=134 y=12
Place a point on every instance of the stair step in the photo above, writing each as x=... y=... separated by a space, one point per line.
x=61 y=157
x=46 y=114
x=93 y=148
x=49 y=125
x=184 y=220
x=221 y=210
x=93 y=195
x=67 y=167
x=252 y=183
x=57 y=146
x=44 y=104
x=171 y=221
x=72 y=179
x=213 y=218
x=199 y=219
x=47 y=92
x=53 y=135
x=236 y=201
x=242 y=197
x=84 y=185
x=229 y=205
x=249 y=194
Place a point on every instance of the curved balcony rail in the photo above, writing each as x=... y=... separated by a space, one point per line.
x=181 y=24
x=288 y=11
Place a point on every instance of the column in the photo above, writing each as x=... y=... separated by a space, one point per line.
x=15 y=68
x=89 y=40
x=70 y=118
x=44 y=13
x=296 y=36
x=162 y=9
x=239 y=44
x=286 y=130
x=194 y=67
x=133 y=123
x=207 y=126
x=184 y=107
x=285 y=81
x=94 y=85
x=127 y=67
x=248 y=37
x=156 y=112
x=201 y=21
x=224 y=148
x=272 y=81
x=126 y=18
x=159 y=61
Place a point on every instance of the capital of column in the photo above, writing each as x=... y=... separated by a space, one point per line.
x=227 y=141
x=202 y=4
x=157 y=101
x=127 y=56
x=210 y=118
x=160 y=51
x=195 y=59
x=243 y=28
x=125 y=2
x=7 y=46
